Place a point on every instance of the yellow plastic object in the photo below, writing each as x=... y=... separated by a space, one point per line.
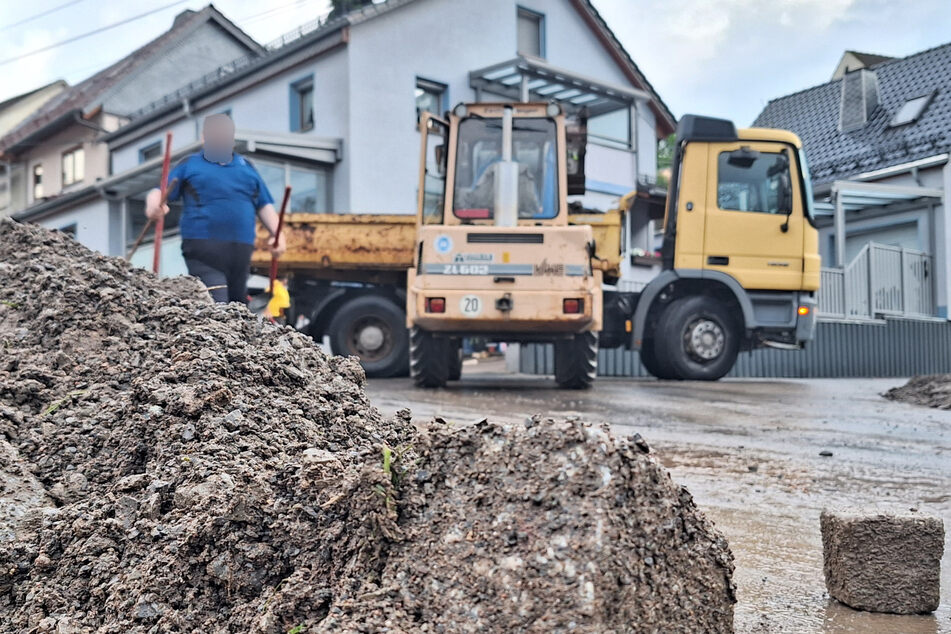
x=280 y=300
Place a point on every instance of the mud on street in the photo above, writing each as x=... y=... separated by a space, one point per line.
x=749 y=452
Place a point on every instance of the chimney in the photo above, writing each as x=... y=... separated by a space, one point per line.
x=859 y=99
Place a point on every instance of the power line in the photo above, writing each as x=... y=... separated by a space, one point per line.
x=88 y=33
x=40 y=15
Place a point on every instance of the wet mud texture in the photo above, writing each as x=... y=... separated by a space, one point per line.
x=170 y=465
x=930 y=390
x=883 y=562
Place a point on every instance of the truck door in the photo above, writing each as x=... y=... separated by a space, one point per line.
x=753 y=229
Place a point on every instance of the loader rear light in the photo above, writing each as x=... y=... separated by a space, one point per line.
x=573 y=306
x=803 y=311
x=435 y=304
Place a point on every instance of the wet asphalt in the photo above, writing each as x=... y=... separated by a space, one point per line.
x=755 y=456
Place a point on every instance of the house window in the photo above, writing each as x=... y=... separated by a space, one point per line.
x=430 y=97
x=531 y=33
x=69 y=230
x=151 y=151
x=910 y=111
x=612 y=129
x=310 y=186
x=74 y=166
x=302 y=105
x=38 y=181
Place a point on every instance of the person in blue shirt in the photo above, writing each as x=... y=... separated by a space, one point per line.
x=222 y=196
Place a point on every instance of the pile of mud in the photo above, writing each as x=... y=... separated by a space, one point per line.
x=170 y=465
x=931 y=390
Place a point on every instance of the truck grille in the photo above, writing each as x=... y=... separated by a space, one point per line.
x=505 y=238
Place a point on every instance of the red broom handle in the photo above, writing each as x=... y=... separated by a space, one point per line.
x=277 y=234
x=163 y=187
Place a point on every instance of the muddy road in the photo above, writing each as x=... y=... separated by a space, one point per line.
x=749 y=451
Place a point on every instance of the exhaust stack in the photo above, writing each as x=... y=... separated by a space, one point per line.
x=506 y=178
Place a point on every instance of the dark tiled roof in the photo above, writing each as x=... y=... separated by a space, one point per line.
x=813 y=114
x=84 y=96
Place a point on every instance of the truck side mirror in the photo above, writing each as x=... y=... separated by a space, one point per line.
x=780 y=169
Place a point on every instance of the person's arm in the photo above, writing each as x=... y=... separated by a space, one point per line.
x=154 y=207
x=269 y=219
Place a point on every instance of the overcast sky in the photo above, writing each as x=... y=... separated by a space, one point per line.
x=718 y=57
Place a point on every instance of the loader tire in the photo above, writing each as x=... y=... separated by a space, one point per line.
x=455 y=359
x=576 y=361
x=698 y=339
x=428 y=359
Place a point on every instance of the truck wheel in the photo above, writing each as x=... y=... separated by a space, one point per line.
x=455 y=359
x=698 y=339
x=648 y=355
x=576 y=361
x=374 y=329
x=428 y=359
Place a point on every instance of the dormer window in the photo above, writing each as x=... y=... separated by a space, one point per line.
x=911 y=111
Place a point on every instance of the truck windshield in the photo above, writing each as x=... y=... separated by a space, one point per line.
x=479 y=149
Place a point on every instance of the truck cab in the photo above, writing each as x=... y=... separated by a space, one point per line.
x=495 y=253
x=740 y=257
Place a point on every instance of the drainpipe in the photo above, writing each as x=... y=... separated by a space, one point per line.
x=839 y=229
x=187 y=109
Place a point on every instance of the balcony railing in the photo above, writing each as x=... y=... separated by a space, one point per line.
x=881 y=281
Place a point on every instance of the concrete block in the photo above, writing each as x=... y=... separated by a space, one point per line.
x=887 y=562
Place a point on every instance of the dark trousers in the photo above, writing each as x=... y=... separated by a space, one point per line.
x=221 y=265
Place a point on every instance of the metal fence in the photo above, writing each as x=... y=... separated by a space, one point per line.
x=881 y=281
x=892 y=347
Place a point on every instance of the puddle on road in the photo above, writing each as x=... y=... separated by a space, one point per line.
x=780 y=587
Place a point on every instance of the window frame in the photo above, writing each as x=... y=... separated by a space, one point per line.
x=287 y=166
x=926 y=98
x=609 y=142
x=37 y=172
x=155 y=145
x=297 y=90
x=438 y=88
x=72 y=152
x=539 y=18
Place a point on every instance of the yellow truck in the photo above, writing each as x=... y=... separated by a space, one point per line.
x=495 y=250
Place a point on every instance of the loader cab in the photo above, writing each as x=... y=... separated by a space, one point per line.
x=495 y=255
x=500 y=159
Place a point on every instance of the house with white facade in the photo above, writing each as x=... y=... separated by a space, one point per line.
x=332 y=109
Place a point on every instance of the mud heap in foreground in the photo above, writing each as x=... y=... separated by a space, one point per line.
x=931 y=390
x=174 y=466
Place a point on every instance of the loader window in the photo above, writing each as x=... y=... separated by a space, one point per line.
x=434 y=174
x=479 y=149
x=754 y=182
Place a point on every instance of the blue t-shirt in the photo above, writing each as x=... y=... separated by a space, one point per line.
x=220 y=202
